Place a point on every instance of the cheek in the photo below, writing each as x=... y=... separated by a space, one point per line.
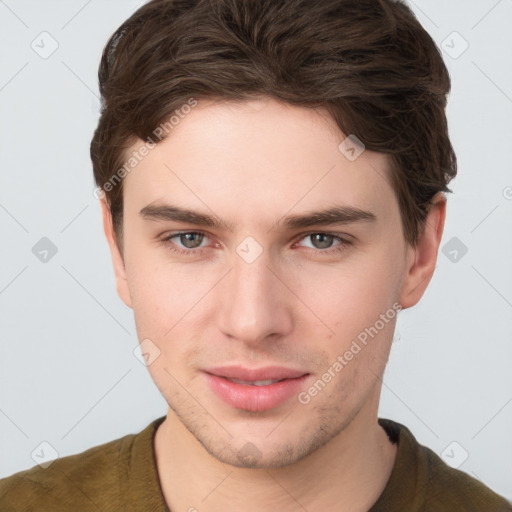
x=351 y=296
x=160 y=299
x=160 y=293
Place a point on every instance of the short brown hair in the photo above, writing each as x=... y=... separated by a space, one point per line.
x=369 y=63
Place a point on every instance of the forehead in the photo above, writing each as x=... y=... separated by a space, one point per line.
x=256 y=160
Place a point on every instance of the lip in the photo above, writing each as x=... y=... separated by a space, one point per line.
x=252 y=374
x=255 y=398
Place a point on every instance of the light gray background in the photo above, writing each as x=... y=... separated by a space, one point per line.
x=68 y=373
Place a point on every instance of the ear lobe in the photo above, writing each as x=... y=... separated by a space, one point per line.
x=117 y=259
x=421 y=260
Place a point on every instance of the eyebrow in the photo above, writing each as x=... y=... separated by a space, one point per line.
x=338 y=214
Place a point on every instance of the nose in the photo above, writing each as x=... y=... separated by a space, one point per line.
x=255 y=304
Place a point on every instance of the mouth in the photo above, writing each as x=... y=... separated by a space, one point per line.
x=267 y=382
x=255 y=390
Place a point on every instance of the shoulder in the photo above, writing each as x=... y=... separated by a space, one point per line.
x=422 y=482
x=456 y=490
x=88 y=480
x=427 y=483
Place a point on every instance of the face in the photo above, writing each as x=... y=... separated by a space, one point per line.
x=255 y=289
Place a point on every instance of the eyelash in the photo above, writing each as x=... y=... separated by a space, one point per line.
x=194 y=252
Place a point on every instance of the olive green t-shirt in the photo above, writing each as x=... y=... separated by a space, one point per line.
x=121 y=476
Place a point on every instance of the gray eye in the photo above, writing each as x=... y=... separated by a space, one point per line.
x=191 y=240
x=321 y=240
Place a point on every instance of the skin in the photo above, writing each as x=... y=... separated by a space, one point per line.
x=252 y=164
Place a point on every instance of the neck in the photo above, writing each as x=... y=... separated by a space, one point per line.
x=349 y=472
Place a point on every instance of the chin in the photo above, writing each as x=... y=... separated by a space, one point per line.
x=262 y=453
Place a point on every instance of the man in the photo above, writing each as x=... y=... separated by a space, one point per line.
x=272 y=179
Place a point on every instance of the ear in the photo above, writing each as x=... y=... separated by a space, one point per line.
x=117 y=260
x=421 y=260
